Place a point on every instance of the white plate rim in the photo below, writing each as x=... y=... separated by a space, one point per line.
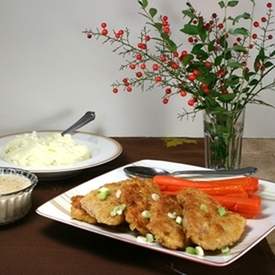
x=117 y=151
x=43 y=211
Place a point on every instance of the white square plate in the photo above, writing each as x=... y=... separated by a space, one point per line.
x=59 y=209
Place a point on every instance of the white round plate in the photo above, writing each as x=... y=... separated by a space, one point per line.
x=103 y=149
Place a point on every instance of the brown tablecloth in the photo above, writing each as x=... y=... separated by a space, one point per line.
x=36 y=245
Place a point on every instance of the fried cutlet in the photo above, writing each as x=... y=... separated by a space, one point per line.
x=103 y=208
x=166 y=222
x=78 y=213
x=137 y=196
x=205 y=224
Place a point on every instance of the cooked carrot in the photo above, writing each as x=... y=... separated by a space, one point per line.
x=172 y=183
x=217 y=190
x=248 y=207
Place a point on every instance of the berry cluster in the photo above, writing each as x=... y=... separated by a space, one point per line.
x=214 y=73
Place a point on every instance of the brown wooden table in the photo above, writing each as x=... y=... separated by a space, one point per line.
x=36 y=245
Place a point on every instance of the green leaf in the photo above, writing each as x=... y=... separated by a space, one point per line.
x=143 y=3
x=197 y=48
x=186 y=60
x=218 y=60
x=272 y=54
x=226 y=98
x=268 y=64
x=239 y=48
x=245 y=15
x=189 y=13
x=253 y=82
x=234 y=64
x=158 y=26
x=227 y=54
x=232 y=3
x=169 y=43
x=153 y=12
x=239 y=31
x=222 y=4
x=190 y=29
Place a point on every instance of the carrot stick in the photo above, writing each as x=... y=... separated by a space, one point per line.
x=248 y=207
x=248 y=183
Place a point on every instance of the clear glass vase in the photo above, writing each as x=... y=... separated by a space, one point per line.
x=223 y=132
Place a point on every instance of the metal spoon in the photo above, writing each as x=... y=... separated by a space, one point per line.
x=87 y=117
x=149 y=172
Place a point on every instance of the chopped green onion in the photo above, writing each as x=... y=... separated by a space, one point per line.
x=225 y=250
x=222 y=211
x=172 y=215
x=155 y=197
x=150 y=238
x=103 y=193
x=199 y=251
x=179 y=220
x=204 y=207
x=118 y=210
x=146 y=214
x=118 y=193
x=190 y=250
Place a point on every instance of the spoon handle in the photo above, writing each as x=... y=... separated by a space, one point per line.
x=222 y=172
x=87 y=117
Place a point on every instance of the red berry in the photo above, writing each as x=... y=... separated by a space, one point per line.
x=155 y=67
x=191 y=101
x=162 y=58
x=269 y=5
x=251 y=46
x=263 y=19
x=190 y=39
x=125 y=80
x=168 y=91
x=175 y=54
x=256 y=24
x=191 y=77
x=158 y=78
x=138 y=56
x=165 y=100
x=147 y=37
x=139 y=74
x=183 y=93
x=121 y=32
x=103 y=25
x=204 y=88
x=166 y=29
x=165 y=18
x=143 y=66
x=254 y=36
x=220 y=26
x=89 y=35
x=132 y=66
x=214 y=15
x=239 y=39
x=129 y=89
x=174 y=65
x=208 y=64
x=104 y=32
x=270 y=36
x=115 y=90
x=196 y=72
x=117 y=35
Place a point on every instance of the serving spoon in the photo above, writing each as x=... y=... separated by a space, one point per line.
x=86 y=118
x=149 y=172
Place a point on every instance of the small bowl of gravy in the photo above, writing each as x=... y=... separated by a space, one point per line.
x=16 y=186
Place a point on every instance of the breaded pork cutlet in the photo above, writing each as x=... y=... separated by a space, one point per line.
x=78 y=213
x=207 y=223
x=166 y=222
x=137 y=195
x=104 y=204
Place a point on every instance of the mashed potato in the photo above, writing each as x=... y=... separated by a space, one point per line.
x=50 y=150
